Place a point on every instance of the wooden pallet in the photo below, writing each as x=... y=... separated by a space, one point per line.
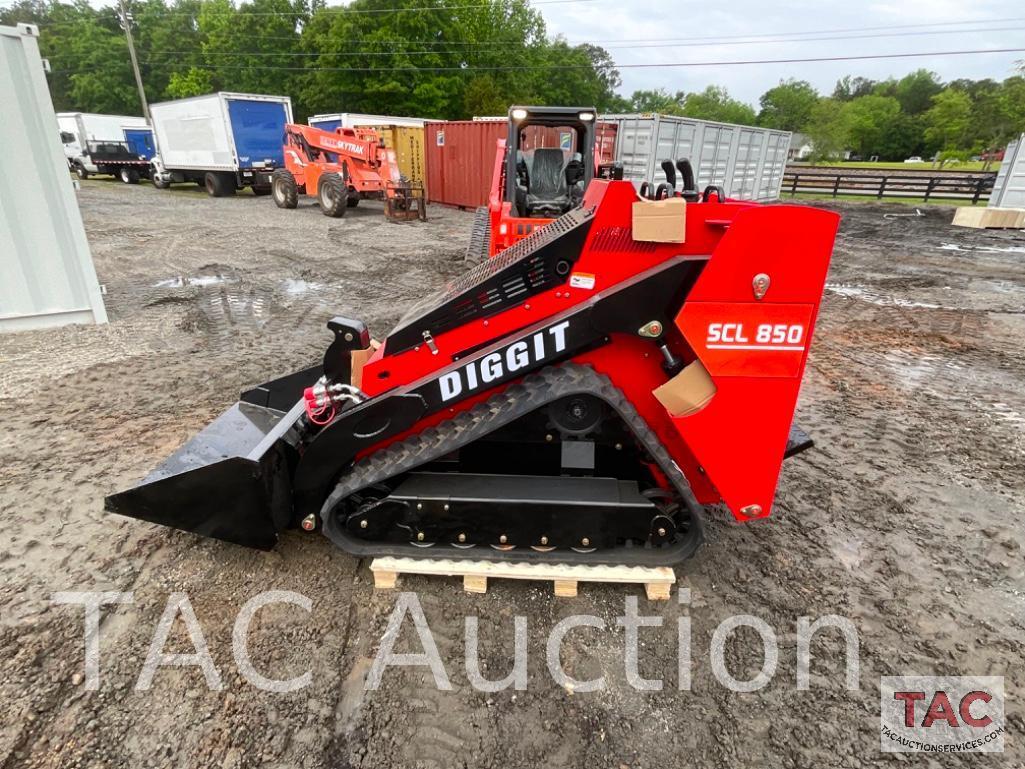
x=990 y=218
x=657 y=581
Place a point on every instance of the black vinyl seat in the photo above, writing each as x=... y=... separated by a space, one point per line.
x=548 y=194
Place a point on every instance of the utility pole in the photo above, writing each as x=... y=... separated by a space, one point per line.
x=126 y=22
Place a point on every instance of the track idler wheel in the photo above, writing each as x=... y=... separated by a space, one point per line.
x=577 y=415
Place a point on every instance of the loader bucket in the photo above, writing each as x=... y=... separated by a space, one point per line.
x=230 y=482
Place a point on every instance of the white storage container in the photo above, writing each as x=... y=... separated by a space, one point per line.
x=1009 y=187
x=47 y=271
x=747 y=162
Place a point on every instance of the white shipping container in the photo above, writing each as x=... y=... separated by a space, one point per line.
x=1009 y=187
x=48 y=274
x=198 y=134
x=747 y=162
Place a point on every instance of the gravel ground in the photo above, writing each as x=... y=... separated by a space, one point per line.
x=905 y=519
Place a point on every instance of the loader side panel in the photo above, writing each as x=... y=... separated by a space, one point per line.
x=750 y=320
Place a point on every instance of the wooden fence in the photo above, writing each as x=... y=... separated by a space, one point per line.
x=898 y=184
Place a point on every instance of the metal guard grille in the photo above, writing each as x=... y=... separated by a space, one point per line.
x=619 y=239
x=521 y=271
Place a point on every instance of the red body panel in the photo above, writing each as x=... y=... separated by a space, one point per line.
x=740 y=437
x=732 y=449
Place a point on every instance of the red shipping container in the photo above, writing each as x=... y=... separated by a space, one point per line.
x=460 y=160
x=605 y=142
x=461 y=156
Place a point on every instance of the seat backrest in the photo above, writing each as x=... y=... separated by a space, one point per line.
x=547 y=180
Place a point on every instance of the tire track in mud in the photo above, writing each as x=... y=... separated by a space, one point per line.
x=408 y=720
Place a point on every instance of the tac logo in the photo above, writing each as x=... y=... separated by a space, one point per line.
x=942 y=714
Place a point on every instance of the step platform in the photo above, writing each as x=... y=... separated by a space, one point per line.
x=657 y=580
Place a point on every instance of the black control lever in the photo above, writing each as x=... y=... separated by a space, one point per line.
x=690 y=187
x=670 y=172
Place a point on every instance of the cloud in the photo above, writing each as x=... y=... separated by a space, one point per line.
x=609 y=21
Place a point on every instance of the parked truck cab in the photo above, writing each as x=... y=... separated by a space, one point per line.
x=115 y=145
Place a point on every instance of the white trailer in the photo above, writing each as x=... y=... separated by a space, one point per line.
x=330 y=122
x=222 y=141
x=106 y=144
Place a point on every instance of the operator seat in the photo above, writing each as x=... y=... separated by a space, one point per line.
x=548 y=194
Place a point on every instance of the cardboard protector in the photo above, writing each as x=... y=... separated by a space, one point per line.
x=688 y=392
x=358 y=359
x=660 y=221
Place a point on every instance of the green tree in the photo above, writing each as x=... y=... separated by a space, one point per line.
x=1012 y=105
x=167 y=40
x=828 y=130
x=900 y=138
x=868 y=118
x=715 y=103
x=588 y=77
x=658 y=100
x=483 y=96
x=916 y=91
x=448 y=62
x=191 y=82
x=947 y=122
x=788 y=106
x=850 y=87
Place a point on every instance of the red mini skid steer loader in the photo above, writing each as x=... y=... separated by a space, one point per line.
x=339 y=168
x=577 y=398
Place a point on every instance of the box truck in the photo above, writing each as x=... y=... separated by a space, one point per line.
x=221 y=141
x=119 y=145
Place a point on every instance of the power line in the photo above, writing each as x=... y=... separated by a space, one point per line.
x=713 y=39
x=832 y=31
x=507 y=43
x=641 y=66
x=346 y=10
x=646 y=65
x=491 y=45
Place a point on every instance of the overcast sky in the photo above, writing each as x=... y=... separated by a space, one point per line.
x=605 y=21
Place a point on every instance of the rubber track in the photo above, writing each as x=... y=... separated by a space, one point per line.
x=533 y=392
x=480 y=237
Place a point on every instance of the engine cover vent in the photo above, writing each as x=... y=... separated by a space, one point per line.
x=537 y=263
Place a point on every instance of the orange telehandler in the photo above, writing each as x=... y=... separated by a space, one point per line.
x=341 y=167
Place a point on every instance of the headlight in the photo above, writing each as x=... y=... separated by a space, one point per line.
x=519 y=114
x=587 y=117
